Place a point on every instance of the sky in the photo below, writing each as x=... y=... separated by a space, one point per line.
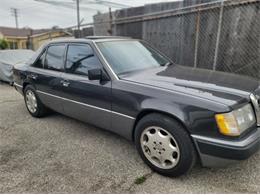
x=48 y=13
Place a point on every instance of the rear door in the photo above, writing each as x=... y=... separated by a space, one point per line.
x=87 y=100
x=48 y=80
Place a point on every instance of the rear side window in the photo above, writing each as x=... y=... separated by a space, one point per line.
x=39 y=63
x=54 y=57
x=80 y=59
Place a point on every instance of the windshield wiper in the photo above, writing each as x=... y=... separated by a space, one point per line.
x=167 y=64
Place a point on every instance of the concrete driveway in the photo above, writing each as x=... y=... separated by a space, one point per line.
x=57 y=154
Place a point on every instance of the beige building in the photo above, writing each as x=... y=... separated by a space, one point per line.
x=25 y=38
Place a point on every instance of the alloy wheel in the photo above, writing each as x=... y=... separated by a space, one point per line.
x=31 y=101
x=160 y=147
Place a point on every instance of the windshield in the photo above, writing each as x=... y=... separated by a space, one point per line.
x=127 y=56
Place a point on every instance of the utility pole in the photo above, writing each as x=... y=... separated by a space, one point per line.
x=14 y=12
x=78 y=20
x=78 y=16
x=110 y=30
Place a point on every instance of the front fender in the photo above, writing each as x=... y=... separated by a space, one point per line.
x=175 y=110
x=195 y=119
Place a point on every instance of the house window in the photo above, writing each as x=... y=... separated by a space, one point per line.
x=13 y=45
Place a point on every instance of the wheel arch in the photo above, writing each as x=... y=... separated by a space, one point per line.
x=27 y=82
x=148 y=111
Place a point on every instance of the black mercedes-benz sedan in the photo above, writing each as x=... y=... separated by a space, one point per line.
x=176 y=115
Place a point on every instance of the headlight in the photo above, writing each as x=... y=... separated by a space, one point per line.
x=236 y=122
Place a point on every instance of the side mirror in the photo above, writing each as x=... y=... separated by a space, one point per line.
x=94 y=74
x=97 y=74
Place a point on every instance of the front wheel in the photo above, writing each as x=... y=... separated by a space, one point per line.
x=164 y=145
x=33 y=103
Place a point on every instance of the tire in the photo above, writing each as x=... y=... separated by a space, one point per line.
x=39 y=110
x=170 y=158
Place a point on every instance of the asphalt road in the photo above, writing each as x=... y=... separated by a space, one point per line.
x=57 y=154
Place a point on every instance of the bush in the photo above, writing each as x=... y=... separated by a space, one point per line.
x=3 y=44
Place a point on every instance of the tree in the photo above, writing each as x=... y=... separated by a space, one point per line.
x=3 y=44
x=55 y=27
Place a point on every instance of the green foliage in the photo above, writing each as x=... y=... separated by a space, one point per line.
x=3 y=44
x=140 y=180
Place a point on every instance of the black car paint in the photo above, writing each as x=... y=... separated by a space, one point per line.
x=191 y=96
x=194 y=100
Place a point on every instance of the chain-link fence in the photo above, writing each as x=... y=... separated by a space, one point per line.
x=217 y=35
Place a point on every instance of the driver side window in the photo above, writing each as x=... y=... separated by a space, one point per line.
x=40 y=61
x=80 y=59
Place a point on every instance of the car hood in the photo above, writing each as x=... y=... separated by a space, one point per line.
x=225 y=88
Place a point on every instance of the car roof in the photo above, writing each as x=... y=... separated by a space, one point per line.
x=106 y=37
x=90 y=39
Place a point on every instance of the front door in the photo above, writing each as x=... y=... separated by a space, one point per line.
x=85 y=99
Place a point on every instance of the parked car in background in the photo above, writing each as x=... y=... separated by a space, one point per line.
x=175 y=115
x=8 y=58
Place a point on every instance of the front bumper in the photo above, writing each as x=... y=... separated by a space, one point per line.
x=217 y=153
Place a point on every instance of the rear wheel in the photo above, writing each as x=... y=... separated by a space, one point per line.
x=164 y=145
x=33 y=103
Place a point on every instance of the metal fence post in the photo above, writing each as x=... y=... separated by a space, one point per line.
x=197 y=30
x=218 y=34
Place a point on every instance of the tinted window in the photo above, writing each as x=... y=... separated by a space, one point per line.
x=80 y=59
x=39 y=63
x=54 y=57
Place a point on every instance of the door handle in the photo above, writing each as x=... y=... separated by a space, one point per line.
x=65 y=83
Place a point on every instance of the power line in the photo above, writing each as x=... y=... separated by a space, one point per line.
x=79 y=4
x=69 y=5
x=14 y=12
x=106 y=3
x=32 y=7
